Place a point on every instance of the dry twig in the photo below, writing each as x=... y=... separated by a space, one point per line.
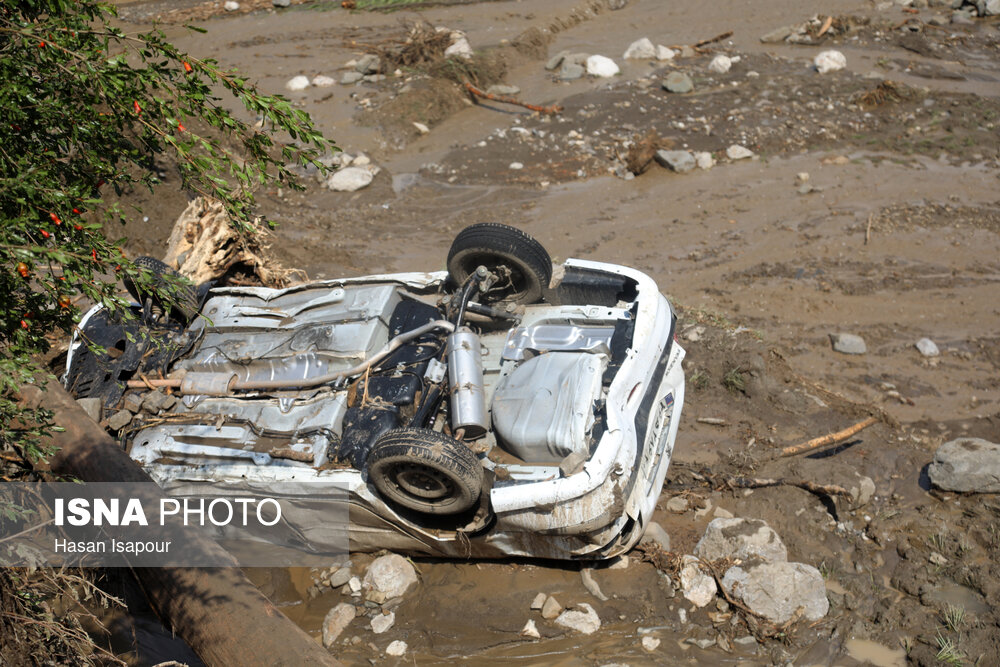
x=812 y=487
x=828 y=439
x=554 y=109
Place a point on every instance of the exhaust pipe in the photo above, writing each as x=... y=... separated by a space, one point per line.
x=465 y=374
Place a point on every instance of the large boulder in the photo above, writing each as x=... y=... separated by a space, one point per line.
x=742 y=539
x=391 y=576
x=777 y=591
x=967 y=465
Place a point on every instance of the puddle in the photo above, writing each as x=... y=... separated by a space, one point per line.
x=873 y=653
x=959 y=596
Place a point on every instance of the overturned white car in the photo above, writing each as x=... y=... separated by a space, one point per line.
x=497 y=409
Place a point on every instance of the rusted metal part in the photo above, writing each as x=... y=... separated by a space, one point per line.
x=217 y=611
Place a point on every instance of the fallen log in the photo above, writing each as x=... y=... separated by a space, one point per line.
x=217 y=611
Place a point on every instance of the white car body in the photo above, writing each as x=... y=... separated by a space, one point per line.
x=592 y=504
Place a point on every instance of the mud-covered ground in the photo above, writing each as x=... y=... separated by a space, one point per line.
x=871 y=207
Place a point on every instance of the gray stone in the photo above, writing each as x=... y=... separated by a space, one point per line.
x=351 y=77
x=157 y=400
x=396 y=648
x=962 y=18
x=281 y=3
x=969 y=465
x=337 y=619
x=530 y=630
x=778 y=34
x=556 y=60
x=737 y=152
x=992 y=7
x=863 y=493
x=698 y=587
x=391 y=575
x=132 y=402
x=92 y=406
x=368 y=64
x=617 y=4
x=582 y=619
x=641 y=49
x=703 y=643
x=778 y=590
x=677 y=504
x=655 y=533
x=679 y=161
x=678 y=82
x=740 y=538
x=503 y=89
x=551 y=608
x=539 y=601
x=704 y=160
x=571 y=71
x=350 y=179
x=339 y=578
x=119 y=420
x=927 y=347
x=846 y=343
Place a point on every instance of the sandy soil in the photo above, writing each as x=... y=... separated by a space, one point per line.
x=895 y=240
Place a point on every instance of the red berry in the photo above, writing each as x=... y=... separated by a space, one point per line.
x=45 y=233
x=77 y=211
x=64 y=301
x=55 y=218
x=41 y=45
x=180 y=126
x=187 y=66
x=77 y=227
x=24 y=325
x=135 y=105
x=22 y=268
x=93 y=253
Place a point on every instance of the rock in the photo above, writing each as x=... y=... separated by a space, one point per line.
x=863 y=493
x=281 y=3
x=337 y=619
x=802 y=177
x=640 y=49
x=617 y=4
x=323 y=81
x=516 y=166
x=737 y=152
x=556 y=60
x=665 y=52
x=382 y=622
x=846 y=343
x=354 y=585
x=539 y=601
x=396 y=648
x=421 y=128
x=119 y=420
x=679 y=161
x=231 y=6
x=677 y=504
x=361 y=161
x=778 y=34
x=698 y=587
x=720 y=64
x=777 y=590
x=927 y=347
x=969 y=465
x=740 y=538
x=619 y=563
x=339 y=578
x=703 y=643
x=582 y=619
x=460 y=48
x=704 y=160
x=655 y=533
x=368 y=64
x=587 y=575
x=830 y=61
x=299 y=82
x=962 y=18
x=602 y=67
x=678 y=82
x=350 y=179
x=551 y=608
x=571 y=71
x=992 y=7
x=503 y=89
x=650 y=644
x=92 y=406
x=154 y=401
x=529 y=630
x=351 y=77
x=937 y=559
x=392 y=575
x=132 y=402
x=722 y=513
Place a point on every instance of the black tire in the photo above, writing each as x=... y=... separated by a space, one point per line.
x=425 y=471
x=494 y=245
x=184 y=308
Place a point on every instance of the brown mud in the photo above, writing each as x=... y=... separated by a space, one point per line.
x=895 y=236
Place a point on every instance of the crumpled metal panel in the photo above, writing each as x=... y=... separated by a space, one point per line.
x=542 y=338
x=544 y=409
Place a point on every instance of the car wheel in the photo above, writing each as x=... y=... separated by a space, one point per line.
x=184 y=309
x=521 y=262
x=425 y=471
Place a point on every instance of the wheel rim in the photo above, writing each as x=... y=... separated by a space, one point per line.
x=422 y=482
x=519 y=283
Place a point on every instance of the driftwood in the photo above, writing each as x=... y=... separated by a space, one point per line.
x=554 y=109
x=812 y=487
x=217 y=611
x=829 y=439
x=203 y=246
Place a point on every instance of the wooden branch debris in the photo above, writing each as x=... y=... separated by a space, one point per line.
x=705 y=42
x=826 y=26
x=868 y=229
x=829 y=439
x=812 y=487
x=554 y=109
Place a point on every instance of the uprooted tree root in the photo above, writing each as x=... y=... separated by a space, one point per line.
x=671 y=564
x=884 y=93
